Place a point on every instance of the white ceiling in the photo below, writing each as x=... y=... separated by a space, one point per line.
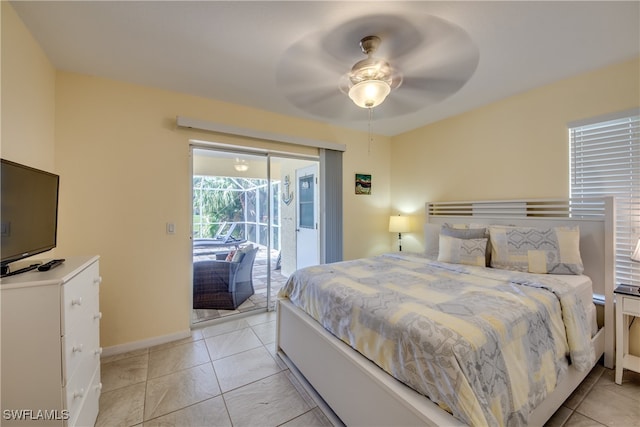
x=234 y=51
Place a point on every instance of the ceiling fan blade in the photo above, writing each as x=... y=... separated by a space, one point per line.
x=433 y=87
x=310 y=97
x=308 y=78
x=434 y=57
x=398 y=36
x=321 y=100
x=307 y=57
x=447 y=51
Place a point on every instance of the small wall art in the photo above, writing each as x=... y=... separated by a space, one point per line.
x=363 y=183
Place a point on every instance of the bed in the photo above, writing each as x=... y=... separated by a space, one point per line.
x=382 y=384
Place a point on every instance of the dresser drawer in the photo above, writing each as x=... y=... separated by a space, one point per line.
x=79 y=385
x=87 y=412
x=83 y=341
x=80 y=297
x=631 y=305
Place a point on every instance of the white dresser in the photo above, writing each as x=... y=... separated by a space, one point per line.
x=50 y=345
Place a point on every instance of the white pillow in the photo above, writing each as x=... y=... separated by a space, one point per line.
x=431 y=242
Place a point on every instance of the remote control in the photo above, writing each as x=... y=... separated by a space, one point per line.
x=51 y=264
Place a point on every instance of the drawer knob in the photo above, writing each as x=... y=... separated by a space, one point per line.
x=78 y=394
x=98 y=315
x=76 y=301
x=97 y=280
x=98 y=351
x=99 y=387
x=77 y=348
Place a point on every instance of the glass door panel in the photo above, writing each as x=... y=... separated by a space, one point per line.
x=242 y=200
x=230 y=234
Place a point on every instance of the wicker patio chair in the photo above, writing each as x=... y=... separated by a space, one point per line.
x=223 y=285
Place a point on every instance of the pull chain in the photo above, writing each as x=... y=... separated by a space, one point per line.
x=370 y=136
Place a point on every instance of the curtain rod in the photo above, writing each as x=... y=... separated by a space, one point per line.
x=187 y=122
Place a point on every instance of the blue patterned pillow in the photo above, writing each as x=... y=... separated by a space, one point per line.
x=535 y=250
x=466 y=231
x=462 y=251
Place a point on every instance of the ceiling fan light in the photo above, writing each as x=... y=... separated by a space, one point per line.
x=241 y=165
x=369 y=93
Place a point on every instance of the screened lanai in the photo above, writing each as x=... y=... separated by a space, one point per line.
x=244 y=201
x=238 y=206
x=230 y=213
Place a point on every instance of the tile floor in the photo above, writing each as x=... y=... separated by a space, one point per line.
x=226 y=374
x=229 y=375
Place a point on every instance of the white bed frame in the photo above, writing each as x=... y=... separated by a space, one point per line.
x=354 y=391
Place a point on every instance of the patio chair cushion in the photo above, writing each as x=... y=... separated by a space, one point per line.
x=230 y=256
x=240 y=253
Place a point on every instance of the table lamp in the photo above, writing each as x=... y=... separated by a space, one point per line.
x=399 y=224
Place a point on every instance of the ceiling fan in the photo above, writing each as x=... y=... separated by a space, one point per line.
x=370 y=80
x=412 y=63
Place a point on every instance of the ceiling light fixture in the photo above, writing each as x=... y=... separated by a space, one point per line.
x=241 y=165
x=371 y=80
x=369 y=93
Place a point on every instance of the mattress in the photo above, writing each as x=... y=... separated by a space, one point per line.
x=486 y=345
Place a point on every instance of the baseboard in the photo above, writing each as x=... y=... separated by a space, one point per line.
x=149 y=342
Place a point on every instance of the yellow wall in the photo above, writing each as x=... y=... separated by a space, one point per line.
x=125 y=171
x=514 y=148
x=27 y=96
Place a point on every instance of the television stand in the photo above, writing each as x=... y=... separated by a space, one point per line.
x=5 y=270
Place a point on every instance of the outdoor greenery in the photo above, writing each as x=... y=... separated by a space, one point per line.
x=218 y=200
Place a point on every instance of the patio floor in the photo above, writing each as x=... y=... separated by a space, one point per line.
x=259 y=299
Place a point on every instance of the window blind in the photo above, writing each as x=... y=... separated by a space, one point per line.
x=605 y=161
x=331 y=206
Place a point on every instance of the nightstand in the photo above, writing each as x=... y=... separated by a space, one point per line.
x=627 y=306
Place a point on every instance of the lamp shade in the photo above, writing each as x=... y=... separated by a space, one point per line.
x=399 y=224
x=369 y=93
x=635 y=256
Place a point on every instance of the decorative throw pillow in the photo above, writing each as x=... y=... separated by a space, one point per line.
x=535 y=250
x=230 y=255
x=241 y=252
x=432 y=235
x=469 y=233
x=463 y=233
x=431 y=242
x=464 y=226
x=462 y=251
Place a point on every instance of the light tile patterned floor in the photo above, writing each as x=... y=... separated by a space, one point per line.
x=224 y=375
x=599 y=401
x=229 y=375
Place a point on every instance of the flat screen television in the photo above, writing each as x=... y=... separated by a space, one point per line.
x=29 y=212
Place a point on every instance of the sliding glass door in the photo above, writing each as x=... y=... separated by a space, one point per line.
x=245 y=227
